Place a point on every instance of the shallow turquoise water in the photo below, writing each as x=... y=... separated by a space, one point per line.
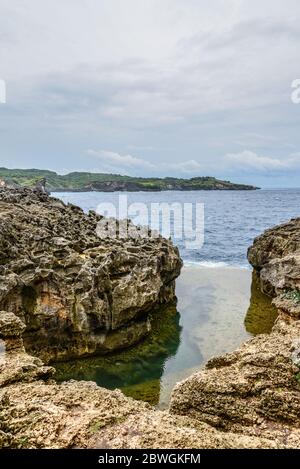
x=209 y=320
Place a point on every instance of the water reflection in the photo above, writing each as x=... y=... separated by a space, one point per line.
x=261 y=314
x=137 y=371
x=212 y=305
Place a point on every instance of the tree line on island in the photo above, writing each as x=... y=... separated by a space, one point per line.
x=102 y=182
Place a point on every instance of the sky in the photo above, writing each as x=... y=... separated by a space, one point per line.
x=152 y=88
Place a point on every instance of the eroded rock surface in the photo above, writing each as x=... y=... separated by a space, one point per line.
x=276 y=255
x=35 y=412
x=255 y=390
x=246 y=399
x=78 y=294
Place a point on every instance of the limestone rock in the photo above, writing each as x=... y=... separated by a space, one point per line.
x=15 y=364
x=10 y=325
x=276 y=255
x=255 y=390
x=246 y=399
x=275 y=243
x=35 y=412
x=78 y=294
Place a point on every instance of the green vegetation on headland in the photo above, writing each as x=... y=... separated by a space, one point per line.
x=84 y=182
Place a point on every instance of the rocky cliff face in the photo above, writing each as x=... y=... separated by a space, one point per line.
x=35 y=412
x=255 y=390
x=78 y=294
x=246 y=399
x=276 y=256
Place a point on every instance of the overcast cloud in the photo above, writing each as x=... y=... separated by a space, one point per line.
x=179 y=87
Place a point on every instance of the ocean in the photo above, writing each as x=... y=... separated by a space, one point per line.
x=219 y=301
x=232 y=219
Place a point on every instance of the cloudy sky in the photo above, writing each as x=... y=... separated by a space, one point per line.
x=152 y=87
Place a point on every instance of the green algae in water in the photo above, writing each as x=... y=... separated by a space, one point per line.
x=212 y=305
x=136 y=371
x=261 y=314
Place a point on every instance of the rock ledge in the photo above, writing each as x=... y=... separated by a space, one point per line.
x=78 y=294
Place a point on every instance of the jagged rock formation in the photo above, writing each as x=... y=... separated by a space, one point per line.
x=41 y=185
x=255 y=390
x=252 y=391
x=246 y=399
x=35 y=412
x=78 y=294
x=276 y=255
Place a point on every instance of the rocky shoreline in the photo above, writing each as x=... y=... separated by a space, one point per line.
x=255 y=390
x=246 y=399
x=35 y=412
x=78 y=294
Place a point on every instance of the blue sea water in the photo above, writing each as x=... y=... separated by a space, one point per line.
x=232 y=219
x=217 y=308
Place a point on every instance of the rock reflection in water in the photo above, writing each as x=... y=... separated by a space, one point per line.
x=136 y=371
x=212 y=305
x=261 y=314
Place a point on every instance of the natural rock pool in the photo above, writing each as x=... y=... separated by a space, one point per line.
x=217 y=309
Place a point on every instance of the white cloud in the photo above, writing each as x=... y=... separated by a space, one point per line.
x=219 y=57
x=246 y=160
x=117 y=161
x=188 y=167
x=203 y=78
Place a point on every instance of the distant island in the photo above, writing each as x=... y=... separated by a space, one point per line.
x=101 y=182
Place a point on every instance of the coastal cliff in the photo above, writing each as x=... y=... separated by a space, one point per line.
x=36 y=412
x=255 y=390
x=249 y=398
x=276 y=256
x=77 y=293
x=102 y=182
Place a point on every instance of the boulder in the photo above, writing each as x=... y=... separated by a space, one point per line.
x=36 y=412
x=255 y=390
x=78 y=294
